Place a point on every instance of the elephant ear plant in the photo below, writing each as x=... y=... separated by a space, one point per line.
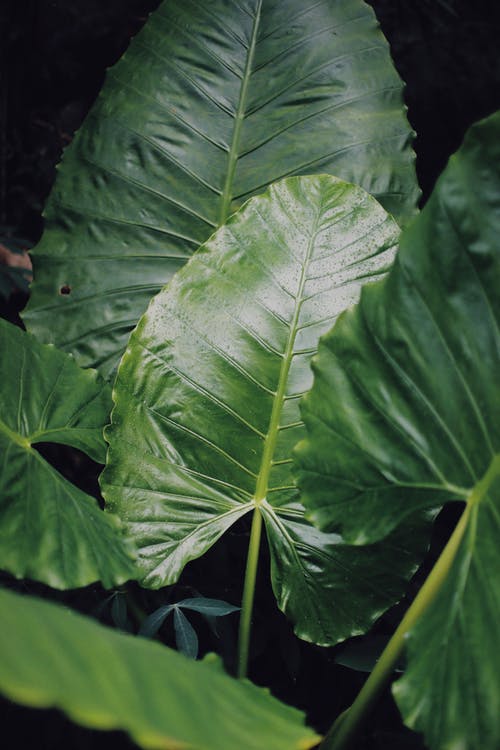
x=404 y=415
x=211 y=103
x=226 y=349
x=207 y=406
x=50 y=530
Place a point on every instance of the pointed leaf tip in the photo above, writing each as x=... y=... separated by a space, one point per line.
x=207 y=394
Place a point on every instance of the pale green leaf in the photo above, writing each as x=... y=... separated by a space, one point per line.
x=52 y=657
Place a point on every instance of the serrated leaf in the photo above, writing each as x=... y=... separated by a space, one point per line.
x=211 y=103
x=50 y=530
x=207 y=398
x=405 y=415
x=185 y=635
x=52 y=657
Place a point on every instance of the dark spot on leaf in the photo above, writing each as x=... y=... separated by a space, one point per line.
x=65 y=289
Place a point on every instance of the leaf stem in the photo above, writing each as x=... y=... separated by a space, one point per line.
x=249 y=593
x=350 y=721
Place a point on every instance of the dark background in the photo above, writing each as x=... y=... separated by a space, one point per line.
x=53 y=57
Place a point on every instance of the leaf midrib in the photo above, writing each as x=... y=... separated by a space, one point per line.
x=238 y=122
x=261 y=487
x=482 y=487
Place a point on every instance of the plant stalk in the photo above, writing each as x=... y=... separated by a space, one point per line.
x=249 y=593
x=349 y=723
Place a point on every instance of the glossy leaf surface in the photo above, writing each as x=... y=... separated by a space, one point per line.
x=52 y=657
x=211 y=103
x=405 y=414
x=206 y=401
x=50 y=530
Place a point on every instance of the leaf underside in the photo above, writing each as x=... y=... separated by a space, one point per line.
x=50 y=530
x=404 y=415
x=211 y=103
x=52 y=657
x=206 y=401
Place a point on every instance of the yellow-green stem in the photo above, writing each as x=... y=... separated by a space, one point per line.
x=350 y=722
x=249 y=593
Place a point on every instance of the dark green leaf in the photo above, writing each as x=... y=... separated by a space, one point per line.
x=362 y=653
x=119 y=612
x=211 y=103
x=49 y=529
x=207 y=395
x=208 y=607
x=154 y=621
x=405 y=415
x=185 y=635
x=52 y=657
x=451 y=689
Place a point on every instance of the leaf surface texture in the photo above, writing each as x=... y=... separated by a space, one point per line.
x=211 y=103
x=50 y=530
x=206 y=400
x=108 y=680
x=405 y=415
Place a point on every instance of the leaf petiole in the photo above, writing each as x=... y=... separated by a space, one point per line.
x=349 y=723
x=249 y=593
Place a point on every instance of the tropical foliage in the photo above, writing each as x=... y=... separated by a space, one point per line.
x=404 y=415
x=216 y=108
x=211 y=103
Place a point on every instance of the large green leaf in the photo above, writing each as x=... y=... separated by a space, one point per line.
x=207 y=395
x=52 y=657
x=49 y=529
x=211 y=103
x=405 y=414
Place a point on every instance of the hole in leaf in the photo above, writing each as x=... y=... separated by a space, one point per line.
x=65 y=289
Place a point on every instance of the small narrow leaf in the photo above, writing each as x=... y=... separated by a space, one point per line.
x=185 y=635
x=119 y=612
x=50 y=530
x=208 y=607
x=52 y=657
x=206 y=402
x=154 y=621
